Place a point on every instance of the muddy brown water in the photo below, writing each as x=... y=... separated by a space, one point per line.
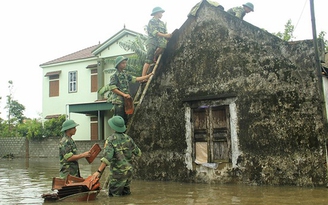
x=23 y=181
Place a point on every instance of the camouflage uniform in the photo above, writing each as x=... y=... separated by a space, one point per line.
x=153 y=42
x=237 y=11
x=67 y=148
x=120 y=80
x=119 y=149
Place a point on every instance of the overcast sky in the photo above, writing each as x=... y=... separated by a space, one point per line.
x=36 y=31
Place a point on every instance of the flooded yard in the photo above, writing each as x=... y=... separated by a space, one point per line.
x=23 y=181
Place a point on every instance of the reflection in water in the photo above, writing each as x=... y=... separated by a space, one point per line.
x=23 y=181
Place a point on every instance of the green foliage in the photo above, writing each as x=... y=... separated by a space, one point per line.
x=15 y=109
x=287 y=35
x=6 y=129
x=135 y=62
x=138 y=59
x=322 y=35
x=137 y=46
x=18 y=126
x=31 y=128
x=52 y=127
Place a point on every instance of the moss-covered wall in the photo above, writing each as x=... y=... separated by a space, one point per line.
x=279 y=103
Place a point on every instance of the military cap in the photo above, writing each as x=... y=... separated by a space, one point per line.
x=68 y=124
x=156 y=10
x=117 y=123
x=119 y=59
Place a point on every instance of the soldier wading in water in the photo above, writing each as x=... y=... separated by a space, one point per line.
x=118 y=152
x=68 y=151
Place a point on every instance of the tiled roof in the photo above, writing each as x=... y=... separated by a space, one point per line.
x=82 y=54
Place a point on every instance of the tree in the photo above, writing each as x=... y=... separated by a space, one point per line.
x=15 y=109
x=322 y=35
x=139 y=48
x=287 y=35
x=136 y=61
x=52 y=127
x=0 y=107
x=31 y=128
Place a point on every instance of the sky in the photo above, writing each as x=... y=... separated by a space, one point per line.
x=37 y=31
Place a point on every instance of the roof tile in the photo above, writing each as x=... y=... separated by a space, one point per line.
x=82 y=54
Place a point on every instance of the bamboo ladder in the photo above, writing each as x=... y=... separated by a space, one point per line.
x=142 y=92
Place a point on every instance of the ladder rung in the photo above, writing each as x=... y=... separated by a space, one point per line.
x=142 y=90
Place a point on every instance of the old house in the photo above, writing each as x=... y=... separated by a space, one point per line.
x=231 y=102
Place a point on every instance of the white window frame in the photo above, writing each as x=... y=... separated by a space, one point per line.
x=72 y=81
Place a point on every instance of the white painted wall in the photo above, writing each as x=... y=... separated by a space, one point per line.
x=58 y=105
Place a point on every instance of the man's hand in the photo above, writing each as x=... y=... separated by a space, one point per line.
x=95 y=176
x=86 y=154
x=168 y=35
x=126 y=95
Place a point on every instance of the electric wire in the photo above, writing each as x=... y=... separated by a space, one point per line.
x=299 y=18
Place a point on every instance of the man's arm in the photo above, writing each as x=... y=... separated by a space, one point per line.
x=118 y=92
x=79 y=156
x=144 y=77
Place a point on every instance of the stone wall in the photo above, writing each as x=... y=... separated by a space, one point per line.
x=278 y=100
x=16 y=146
x=48 y=148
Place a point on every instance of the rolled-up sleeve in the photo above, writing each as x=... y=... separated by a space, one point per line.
x=113 y=82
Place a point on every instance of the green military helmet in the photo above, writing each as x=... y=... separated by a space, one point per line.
x=117 y=123
x=119 y=59
x=156 y=10
x=68 y=124
x=249 y=5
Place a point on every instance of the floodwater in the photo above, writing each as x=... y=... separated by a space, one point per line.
x=23 y=181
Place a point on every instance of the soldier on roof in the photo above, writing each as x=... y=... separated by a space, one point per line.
x=157 y=38
x=241 y=11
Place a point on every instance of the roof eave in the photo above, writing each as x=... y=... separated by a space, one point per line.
x=113 y=39
x=68 y=62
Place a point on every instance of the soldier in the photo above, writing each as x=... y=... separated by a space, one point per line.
x=118 y=151
x=157 y=38
x=240 y=12
x=119 y=86
x=68 y=151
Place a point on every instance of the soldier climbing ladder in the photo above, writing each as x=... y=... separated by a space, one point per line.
x=142 y=90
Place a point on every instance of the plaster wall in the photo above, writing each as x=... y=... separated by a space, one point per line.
x=277 y=117
x=58 y=105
